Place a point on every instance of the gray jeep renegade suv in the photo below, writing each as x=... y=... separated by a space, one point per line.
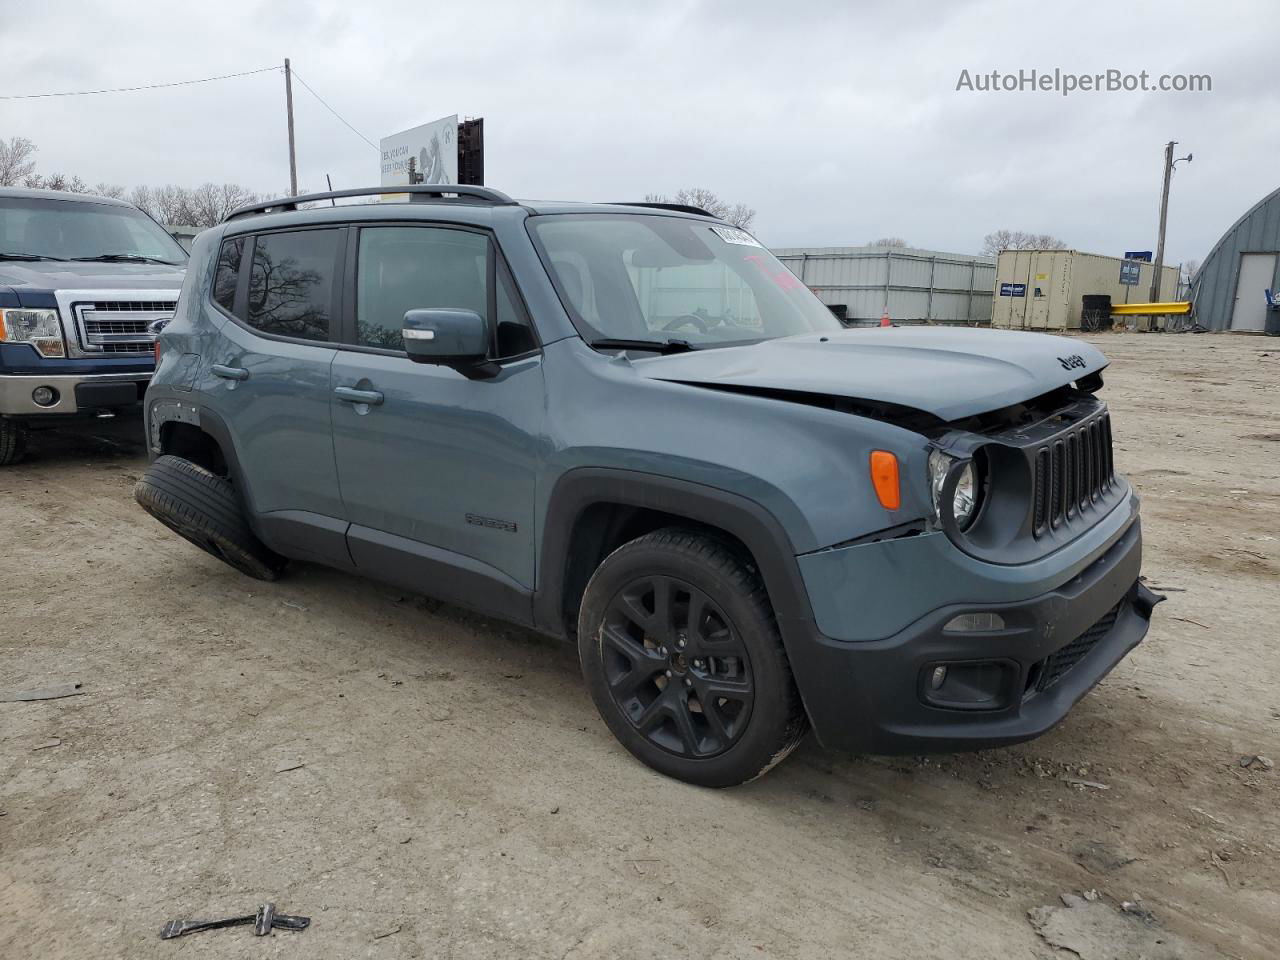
x=629 y=425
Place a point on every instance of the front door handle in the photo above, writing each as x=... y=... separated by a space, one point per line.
x=229 y=373
x=351 y=395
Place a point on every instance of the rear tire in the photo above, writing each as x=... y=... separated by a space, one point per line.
x=682 y=656
x=204 y=509
x=13 y=441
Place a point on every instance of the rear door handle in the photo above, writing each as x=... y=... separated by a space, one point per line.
x=352 y=395
x=229 y=373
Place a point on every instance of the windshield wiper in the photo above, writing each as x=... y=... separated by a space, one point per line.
x=656 y=346
x=124 y=258
x=26 y=256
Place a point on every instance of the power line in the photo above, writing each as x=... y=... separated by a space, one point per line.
x=335 y=112
x=150 y=86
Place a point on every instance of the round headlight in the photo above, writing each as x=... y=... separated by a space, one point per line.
x=964 y=503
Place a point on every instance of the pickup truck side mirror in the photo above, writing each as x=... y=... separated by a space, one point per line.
x=451 y=337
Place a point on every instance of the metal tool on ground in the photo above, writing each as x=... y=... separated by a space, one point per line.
x=264 y=921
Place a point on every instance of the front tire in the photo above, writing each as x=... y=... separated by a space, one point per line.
x=204 y=509
x=13 y=441
x=682 y=656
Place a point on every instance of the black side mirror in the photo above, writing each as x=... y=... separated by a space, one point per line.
x=451 y=337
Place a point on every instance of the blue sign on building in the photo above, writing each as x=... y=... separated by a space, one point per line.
x=1013 y=289
x=1143 y=255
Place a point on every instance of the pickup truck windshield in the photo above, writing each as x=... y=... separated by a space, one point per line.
x=658 y=279
x=82 y=230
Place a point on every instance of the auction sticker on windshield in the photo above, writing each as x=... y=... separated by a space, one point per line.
x=730 y=235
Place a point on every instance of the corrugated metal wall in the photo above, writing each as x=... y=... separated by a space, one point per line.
x=914 y=285
x=1214 y=293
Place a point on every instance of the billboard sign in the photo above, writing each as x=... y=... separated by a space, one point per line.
x=426 y=154
x=1129 y=272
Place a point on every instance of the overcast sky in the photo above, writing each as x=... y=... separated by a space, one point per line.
x=838 y=122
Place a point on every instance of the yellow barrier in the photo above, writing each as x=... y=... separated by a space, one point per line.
x=1150 y=309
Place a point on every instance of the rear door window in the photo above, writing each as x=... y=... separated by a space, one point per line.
x=292 y=283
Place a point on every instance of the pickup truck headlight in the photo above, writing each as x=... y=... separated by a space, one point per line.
x=40 y=328
x=964 y=503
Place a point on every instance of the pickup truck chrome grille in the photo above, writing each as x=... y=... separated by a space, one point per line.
x=1072 y=471
x=118 y=326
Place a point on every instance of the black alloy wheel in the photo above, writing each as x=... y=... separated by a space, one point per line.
x=676 y=667
x=682 y=656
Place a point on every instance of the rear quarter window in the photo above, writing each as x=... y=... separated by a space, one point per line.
x=226 y=276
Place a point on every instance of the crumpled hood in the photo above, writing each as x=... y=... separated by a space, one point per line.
x=55 y=275
x=948 y=372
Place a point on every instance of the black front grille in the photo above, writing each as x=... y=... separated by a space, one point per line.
x=1056 y=666
x=138 y=348
x=1071 y=472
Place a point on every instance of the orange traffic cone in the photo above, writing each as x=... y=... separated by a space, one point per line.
x=884 y=318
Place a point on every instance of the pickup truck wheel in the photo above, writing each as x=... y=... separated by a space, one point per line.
x=13 y=441
x=681 y=654
x=203 y=508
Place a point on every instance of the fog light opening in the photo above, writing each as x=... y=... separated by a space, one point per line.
x=44 y=396
x=937 y=678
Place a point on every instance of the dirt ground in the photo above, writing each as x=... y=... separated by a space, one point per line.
x=453 y=794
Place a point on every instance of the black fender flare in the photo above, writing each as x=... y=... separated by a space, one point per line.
x=748 y=521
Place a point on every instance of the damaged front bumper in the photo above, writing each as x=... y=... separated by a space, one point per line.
x=1014 y=673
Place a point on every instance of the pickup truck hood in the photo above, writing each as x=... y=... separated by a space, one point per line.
x=948 y=372
x=55 y=275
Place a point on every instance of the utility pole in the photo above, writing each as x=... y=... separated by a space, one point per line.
x=1164 y=218
x=293 y=160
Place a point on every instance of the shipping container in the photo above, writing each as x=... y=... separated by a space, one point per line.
x=1044 y=289
x=913 y=286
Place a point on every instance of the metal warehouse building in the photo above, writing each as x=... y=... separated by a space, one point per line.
x=915 y=286
x=1230 y=288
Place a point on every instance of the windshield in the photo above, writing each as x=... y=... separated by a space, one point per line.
x=655 y=278
x=71 y=230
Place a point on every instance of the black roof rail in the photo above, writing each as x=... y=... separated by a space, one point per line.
x=418 y=193
x=678 y=207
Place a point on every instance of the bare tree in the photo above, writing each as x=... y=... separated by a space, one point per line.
x=210 y=203
x=16 y=163
x=739 y=214
x=889 y=242
x=999 y=240
x=1189 y=269
x=143 y=199
x=202 y=206
x=56 y=181
x=171 y=205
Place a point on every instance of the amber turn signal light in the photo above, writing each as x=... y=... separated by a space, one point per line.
x=884 y=477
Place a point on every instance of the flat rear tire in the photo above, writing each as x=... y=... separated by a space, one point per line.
x=205 y=510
